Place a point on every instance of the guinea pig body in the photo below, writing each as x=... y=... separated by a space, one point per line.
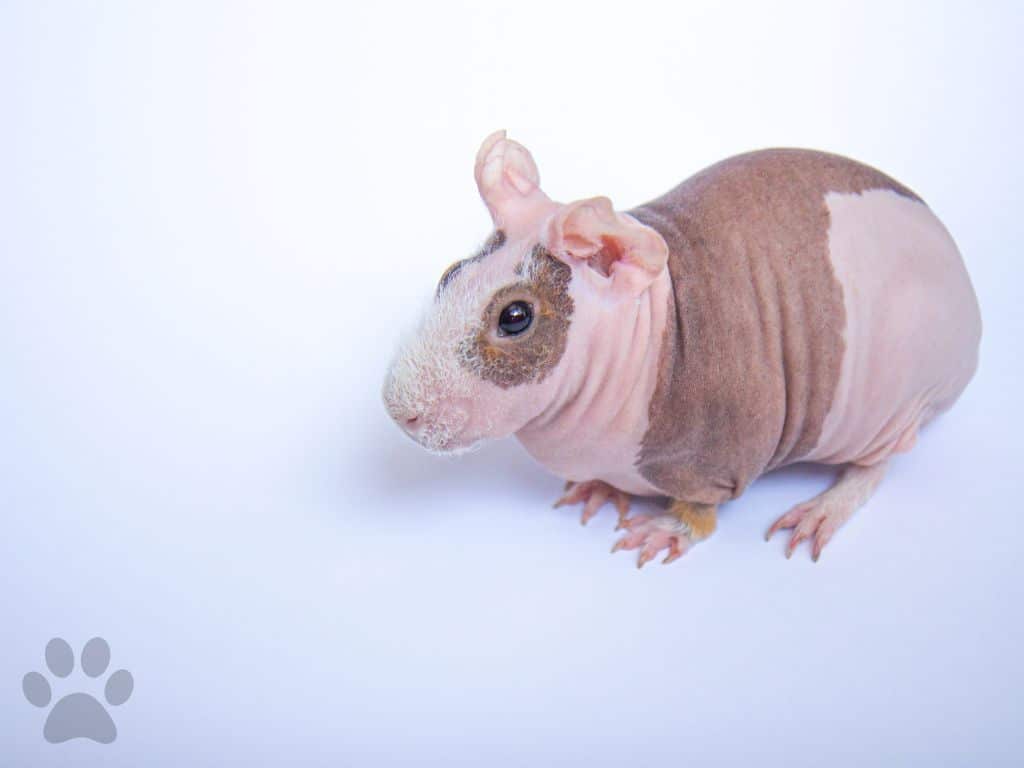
x=821 y=313
x=779 y=306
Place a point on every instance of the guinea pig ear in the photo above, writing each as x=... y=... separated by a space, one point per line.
x=509 y=184
x=613 y=244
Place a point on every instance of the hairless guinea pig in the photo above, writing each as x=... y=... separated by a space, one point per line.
x=781 y=306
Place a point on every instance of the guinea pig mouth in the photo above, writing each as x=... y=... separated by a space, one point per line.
x=455 y=447
x=441 y=434
x=439 y=439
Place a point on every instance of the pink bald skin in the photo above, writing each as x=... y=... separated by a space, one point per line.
x=593 y=427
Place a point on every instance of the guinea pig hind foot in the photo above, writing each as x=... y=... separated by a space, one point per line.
x=823 y=515
x=594 y=494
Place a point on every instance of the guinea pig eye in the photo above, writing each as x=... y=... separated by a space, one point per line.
x=515 y=318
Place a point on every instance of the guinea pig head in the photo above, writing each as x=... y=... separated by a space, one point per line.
x=508 y=335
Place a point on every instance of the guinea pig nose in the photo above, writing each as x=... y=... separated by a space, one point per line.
x=412 y=423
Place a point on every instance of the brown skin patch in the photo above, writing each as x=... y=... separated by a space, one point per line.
x=754 y=344
x=529 y=357
x=493 y=243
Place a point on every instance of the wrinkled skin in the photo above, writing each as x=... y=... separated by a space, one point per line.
x=587 y=397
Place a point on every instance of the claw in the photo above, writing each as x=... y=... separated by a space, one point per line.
x=622 y=507
x=675 y=551
x=629 y=541
x=802 y=533
x=594 y=503
x=595 y=494
x=788 y=520
x=629 y=523
x=796 y=539
x=574 y=494
x=821 y=538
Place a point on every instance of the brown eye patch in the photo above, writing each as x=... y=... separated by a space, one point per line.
x=530 y=356
x=493 y=243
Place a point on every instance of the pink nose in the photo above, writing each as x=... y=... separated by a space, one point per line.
x=412 y=423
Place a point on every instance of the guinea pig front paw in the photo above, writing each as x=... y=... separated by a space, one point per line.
x=682 y=526
x=594 y=494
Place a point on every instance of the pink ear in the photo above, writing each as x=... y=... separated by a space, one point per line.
x=509 y=183
x=613 y=244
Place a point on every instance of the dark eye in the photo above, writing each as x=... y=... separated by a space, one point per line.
x=515 y=318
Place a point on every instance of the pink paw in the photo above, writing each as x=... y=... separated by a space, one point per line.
x=652 y=534
x=815 y=518
x=594 y=494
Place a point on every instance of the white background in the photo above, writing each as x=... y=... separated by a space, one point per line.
x=214 y=222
